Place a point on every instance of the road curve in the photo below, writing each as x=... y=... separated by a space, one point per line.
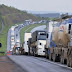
x=42 y=27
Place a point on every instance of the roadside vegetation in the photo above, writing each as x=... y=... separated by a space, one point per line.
x=12 y=15
x=0 y=21
x=3 y=38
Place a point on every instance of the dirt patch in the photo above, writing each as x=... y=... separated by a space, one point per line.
x=6 y=65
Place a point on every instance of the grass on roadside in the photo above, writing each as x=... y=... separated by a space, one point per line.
x=3 y=38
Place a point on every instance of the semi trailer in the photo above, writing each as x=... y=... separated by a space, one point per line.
x=26 y=37
x=59 y=42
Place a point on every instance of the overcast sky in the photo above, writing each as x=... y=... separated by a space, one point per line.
x=40 y=5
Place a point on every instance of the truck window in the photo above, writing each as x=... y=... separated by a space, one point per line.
x=42 y=37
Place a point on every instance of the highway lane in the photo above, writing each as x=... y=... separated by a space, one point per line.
x=38 y=28
x=8 y=40
x=36 y=64
x=17 y=35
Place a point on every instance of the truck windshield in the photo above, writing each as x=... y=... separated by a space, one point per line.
x=42 y=37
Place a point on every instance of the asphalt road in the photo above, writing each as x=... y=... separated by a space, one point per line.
x=17 y=35
x=38 y=28
x=37 y=64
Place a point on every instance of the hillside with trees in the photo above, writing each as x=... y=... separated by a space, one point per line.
x=11 y=15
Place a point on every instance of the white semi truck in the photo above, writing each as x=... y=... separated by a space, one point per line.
x=37 y=42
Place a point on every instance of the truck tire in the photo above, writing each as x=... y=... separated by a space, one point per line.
x=46 y=53
x=29 y=51
x=62 y=60
x=35 y=54
x=54 y=57
x=16 y=52
x=22 y=52
x=68 y=63
x=50 y=56
x=13 y=52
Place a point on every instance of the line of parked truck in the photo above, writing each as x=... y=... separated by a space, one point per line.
x=55 y=43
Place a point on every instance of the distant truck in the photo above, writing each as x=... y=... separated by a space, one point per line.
x=16 y=48
x=12 y=38
x=37 y=42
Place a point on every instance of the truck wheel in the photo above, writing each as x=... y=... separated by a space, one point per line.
x=13 y=52
x=62 y=60
x=34 y=54
x=22 y=52
x=29 y=51
x=54 y=57
x=50 y=57
x=68 y=63
x=16 y=52
x=46 y=53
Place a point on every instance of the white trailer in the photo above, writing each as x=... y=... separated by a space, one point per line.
x=26 y=37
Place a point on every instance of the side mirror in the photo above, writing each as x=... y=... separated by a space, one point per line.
x=0 y=45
